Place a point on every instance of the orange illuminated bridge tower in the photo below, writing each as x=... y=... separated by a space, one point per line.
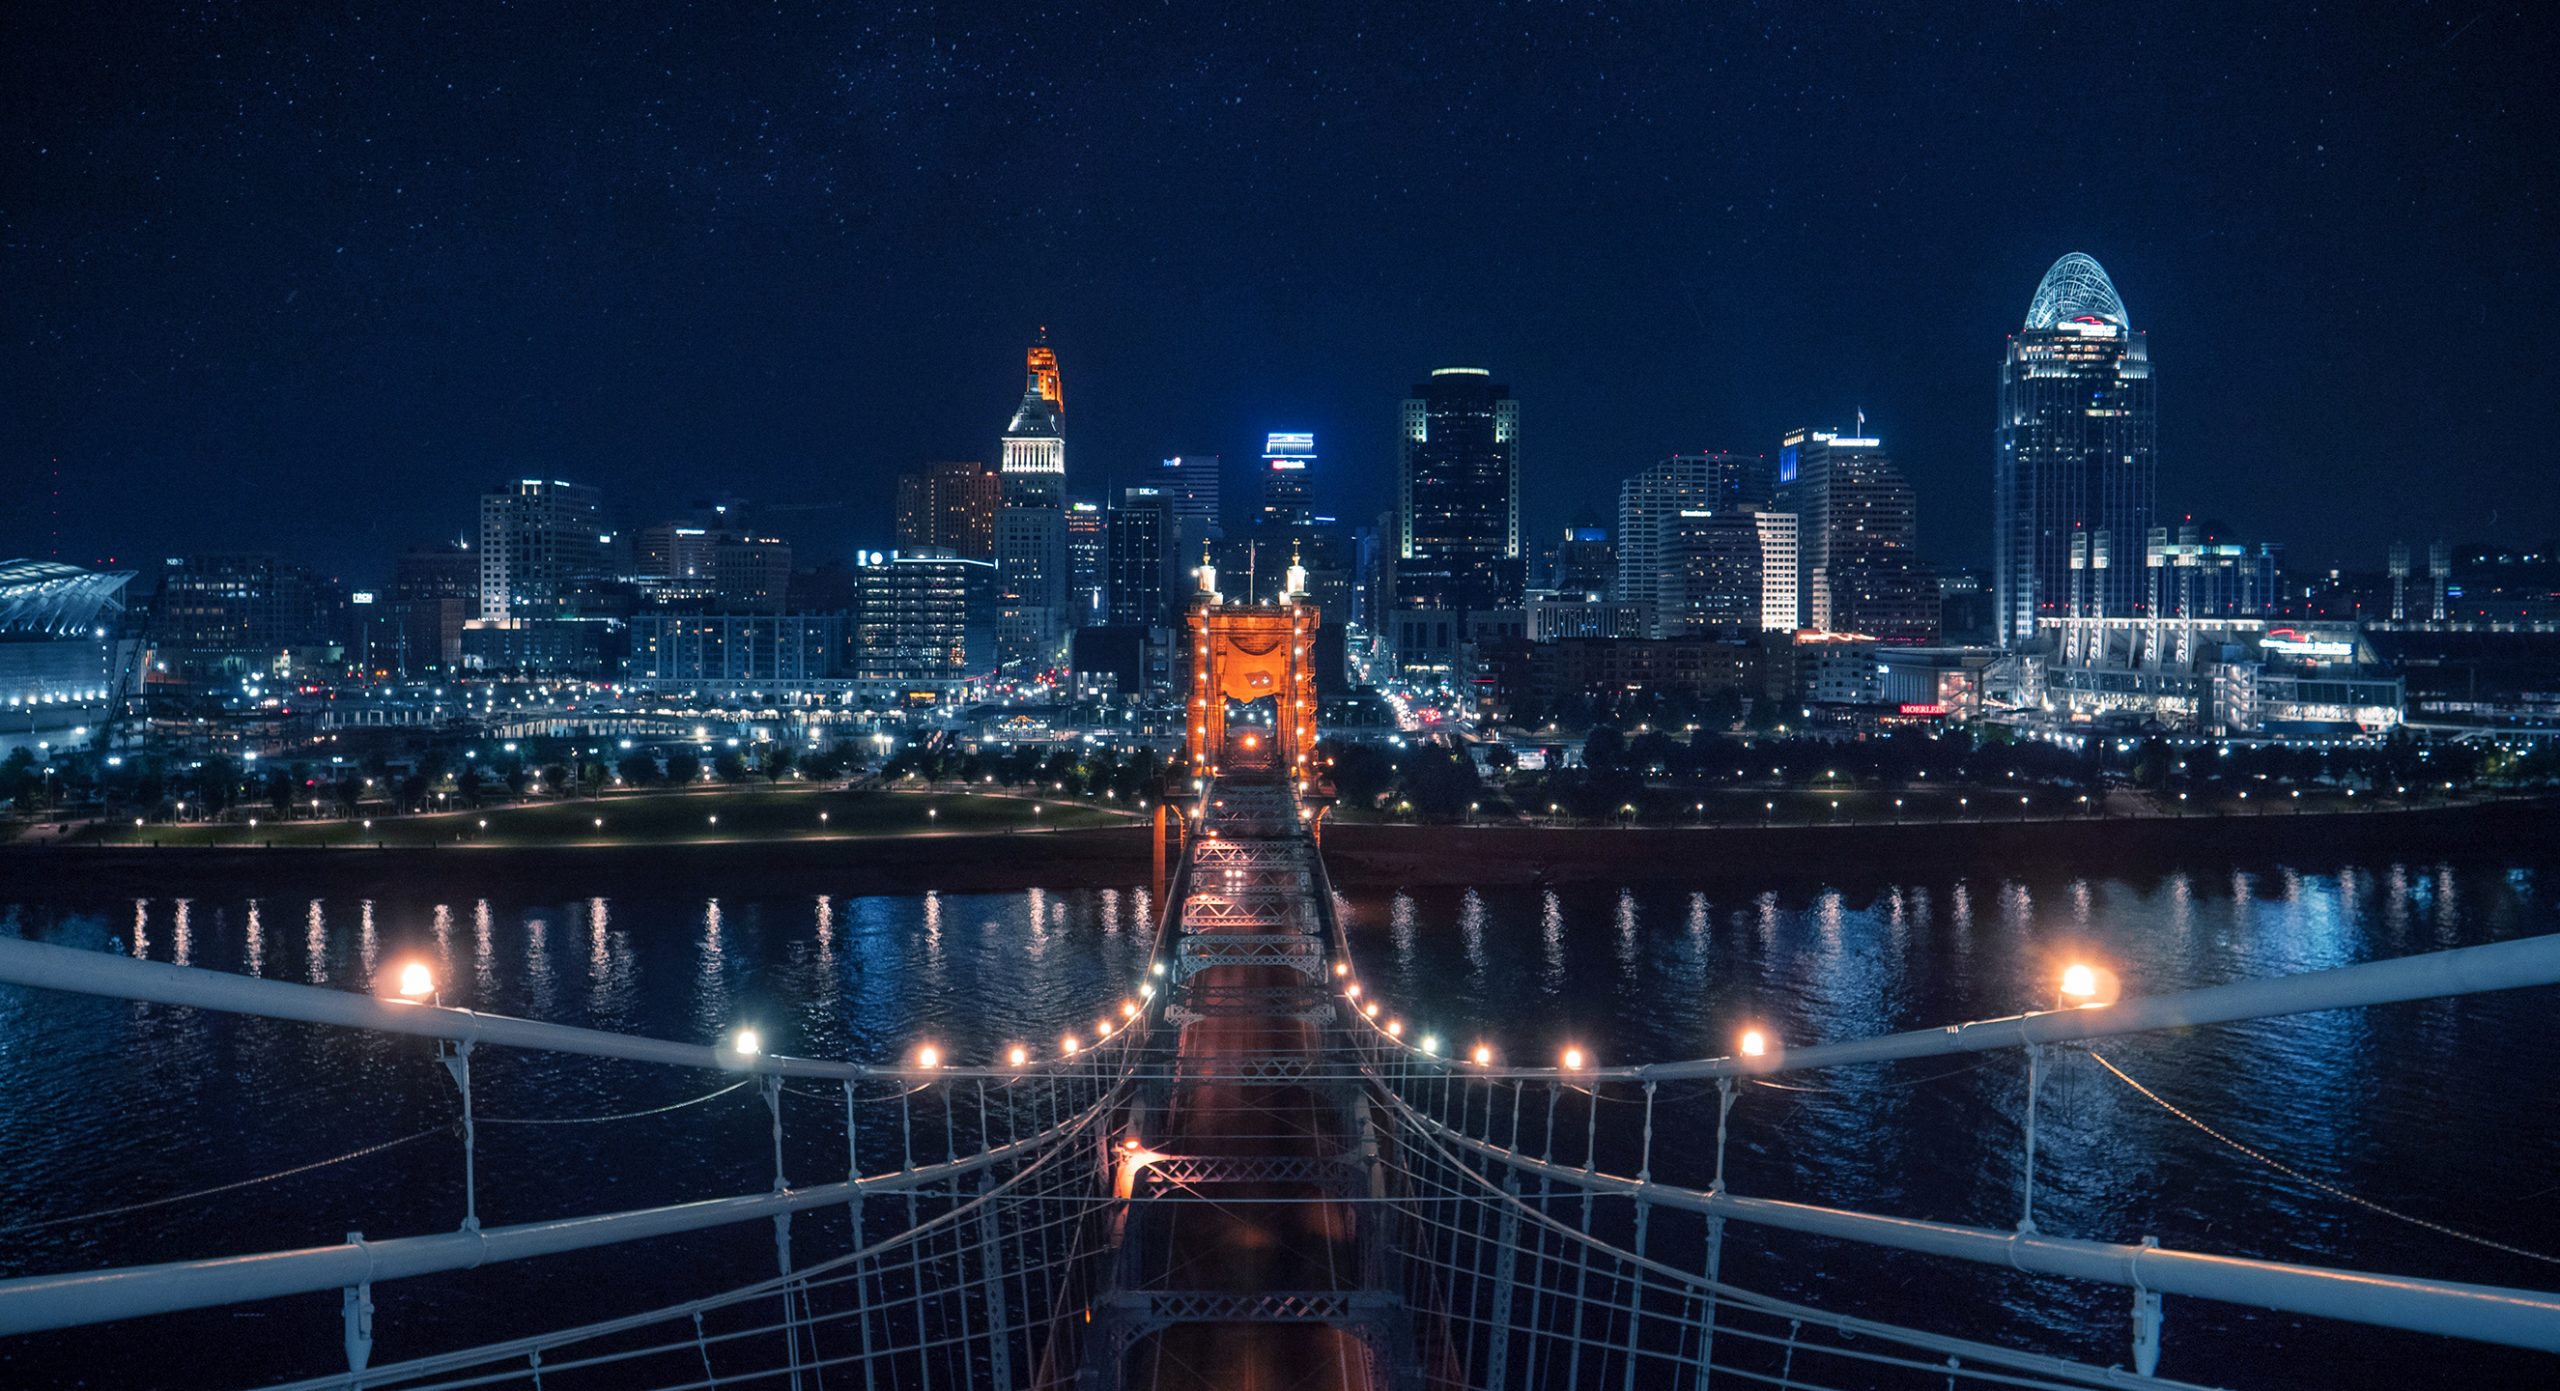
x=1246 y=653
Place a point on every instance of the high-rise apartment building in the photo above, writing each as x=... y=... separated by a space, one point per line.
x=1708 y=580
x=1458 y=494
x=1031 y=519
x=1651 y=504
x=1781 y=590
x=2075 y=468
x=1856 y=521
x=949 y=505
x=1288 y=485
x=540 y=542
x=912 y=616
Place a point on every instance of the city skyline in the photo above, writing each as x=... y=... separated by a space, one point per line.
x=803 y=313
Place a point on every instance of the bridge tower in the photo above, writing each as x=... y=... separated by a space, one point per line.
x=1246 y=652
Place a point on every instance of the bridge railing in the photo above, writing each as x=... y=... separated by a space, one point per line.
x=964 y=1198
x=1518 y=1153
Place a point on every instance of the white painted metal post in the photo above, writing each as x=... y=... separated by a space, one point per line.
x=457 y=1060
x=2027 y=1197
x=356 y=1307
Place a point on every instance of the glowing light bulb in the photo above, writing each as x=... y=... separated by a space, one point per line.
x=416 y=981
x=1017 y=1055
x=1573 y=1060
x=2079 y=982
x=1483 y=1056
x=746 y=1043
x=928 y=1057
x=1755 y=1044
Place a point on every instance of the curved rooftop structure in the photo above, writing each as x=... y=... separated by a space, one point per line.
x=2076 y=290
x=47 y=599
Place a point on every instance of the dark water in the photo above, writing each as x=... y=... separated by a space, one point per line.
x=2443 y=1109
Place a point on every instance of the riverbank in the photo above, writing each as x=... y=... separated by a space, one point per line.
x=1375 y=854
x=1356 y=855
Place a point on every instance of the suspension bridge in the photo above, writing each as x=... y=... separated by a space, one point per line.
x=1247 y=1172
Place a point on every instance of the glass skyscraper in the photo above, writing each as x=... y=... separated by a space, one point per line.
x=2075 y=476
x=1458 y=495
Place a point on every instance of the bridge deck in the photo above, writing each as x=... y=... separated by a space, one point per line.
x=1244 y=1258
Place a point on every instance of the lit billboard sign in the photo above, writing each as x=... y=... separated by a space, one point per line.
x=2293 y=642
x=1914 y=708
x=1289 y=449
x=1787 y=464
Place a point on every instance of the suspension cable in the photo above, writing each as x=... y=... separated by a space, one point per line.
x=225 y=1187
x=618 y=1116
x=2323 y=1185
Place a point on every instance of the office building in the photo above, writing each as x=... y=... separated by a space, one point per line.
x=1586 y=564
x=434 y=591
x=1652 y=505
x=1288 y=483
x=1138 y=568
x=1031 y=518
x=542 y=542
x=949 y=505
x=675 y=555
x=1458 y=495
x=1088 y=562
x=225 y=615
x=2075 y=470
x=1856 y=522
x=751 y=574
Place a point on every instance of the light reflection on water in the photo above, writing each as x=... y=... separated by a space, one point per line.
x=2418 y=1105
x=2421 y=1105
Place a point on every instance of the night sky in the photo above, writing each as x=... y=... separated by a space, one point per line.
x=277 y=278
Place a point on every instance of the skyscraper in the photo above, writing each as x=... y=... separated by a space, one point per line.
x=1458 y=494
x=1288 y=489
x=950 y=505
x=1135 y=540
x=1855 y=526
x=1031 y=518
x=539 y=541
x=2075 y=471
x=1708 y=579
x=1650 y=504
x=1087 y=563
x=1781 y=593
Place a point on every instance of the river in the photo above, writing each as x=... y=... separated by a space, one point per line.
x=2439 y=1110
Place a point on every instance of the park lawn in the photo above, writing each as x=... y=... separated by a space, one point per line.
x=650 y=818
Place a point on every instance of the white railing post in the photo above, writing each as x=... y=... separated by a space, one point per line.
x=457 y=1061
x=2146 y=1320
x=2027 y=1195
x=355 y=1306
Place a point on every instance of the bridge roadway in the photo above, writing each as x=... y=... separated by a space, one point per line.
x=1246 y=1262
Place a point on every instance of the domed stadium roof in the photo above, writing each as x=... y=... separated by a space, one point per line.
x=2076 y=290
